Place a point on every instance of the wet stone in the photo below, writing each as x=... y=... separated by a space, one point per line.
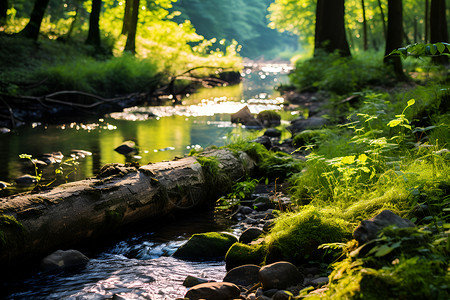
x=249 y=235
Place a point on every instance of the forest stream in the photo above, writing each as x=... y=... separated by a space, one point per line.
x=139 y=266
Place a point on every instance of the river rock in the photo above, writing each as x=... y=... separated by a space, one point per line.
x=298 y=125
x=127 y=148
x=191 y=281
x=245 y=210
x=52 y=158
x=273 y=133
x=243 y=116
x=280 y=275
x=243 y=275
x=369 y=229
x=242 y=254
x=249 y=235
x=281 y=295
x=62 y=260
x=3 y=185
x=319 y=281
x=214 y=291
x=206 y=245
x=26 y=180
x=269 y=118
x=263 y=140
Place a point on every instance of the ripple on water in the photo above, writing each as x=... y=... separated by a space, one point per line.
x=130 y=278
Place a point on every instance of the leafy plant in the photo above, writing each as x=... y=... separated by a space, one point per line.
x=421 y=50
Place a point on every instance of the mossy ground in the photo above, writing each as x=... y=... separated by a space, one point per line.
x=389 y=151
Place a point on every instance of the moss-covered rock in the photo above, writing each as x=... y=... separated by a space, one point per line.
x=269 y=118
x=295 y=237
x=206 y=245
x=241 y=254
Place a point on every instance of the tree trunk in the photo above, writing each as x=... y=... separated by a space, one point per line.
x=126 y=16
x=130 y=45
x=37 y=15
x=35 y=225
x=74 y=20
x=330 y=28
x=427 y=21
x=438 y=27
x=394 y=38
x=364 y=25
x=3 y=12
x=383 y=19
x=94 y=27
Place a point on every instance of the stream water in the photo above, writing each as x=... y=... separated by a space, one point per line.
x=139 y=266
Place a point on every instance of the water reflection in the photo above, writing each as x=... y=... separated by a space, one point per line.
x=161 y=133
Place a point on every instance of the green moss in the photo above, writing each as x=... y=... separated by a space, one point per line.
x=206 y=245
x=295 y=237
x=403 y=264
x=215 y=178
x=11 y=231
x=241 y=254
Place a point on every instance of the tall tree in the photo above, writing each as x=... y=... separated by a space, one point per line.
x=383 y=19
x=130 y=45
x=438 y=27
x=427 y=21
x=394 y=37
x=94 y=27
x=364 y=25
x=34 y=25
x=330 y=28
x=3 y=12
x=126 y=16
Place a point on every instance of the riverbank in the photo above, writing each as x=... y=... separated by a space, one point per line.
x=53 y=81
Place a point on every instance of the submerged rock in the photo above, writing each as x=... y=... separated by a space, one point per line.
x=191 y=281
x=26 y=180
x=369 y=229
x=127 y=148
x=214 y=291
x=206 y=245
x=63 y=260
x=280 y=275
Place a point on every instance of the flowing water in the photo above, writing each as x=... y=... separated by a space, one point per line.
x=140 y=266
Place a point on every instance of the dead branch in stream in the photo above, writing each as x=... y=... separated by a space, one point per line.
x=12 y=103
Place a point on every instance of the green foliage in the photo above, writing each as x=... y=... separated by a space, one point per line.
x=340 y=75
x=402 y=264
x=421 y=50
x=240 y=191
x=296 y=236
x=117 y=76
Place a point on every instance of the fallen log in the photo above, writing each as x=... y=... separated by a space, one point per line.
x=35 y=224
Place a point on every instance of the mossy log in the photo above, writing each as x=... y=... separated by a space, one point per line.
x=120 y=196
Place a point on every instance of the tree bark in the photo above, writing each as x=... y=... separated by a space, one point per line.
x=427 y=21
x=126 y=16
x=94 y=27
x=394 y=38
x=3 y=12
x=383 y=19
x=365 y=45
x=438 y=28
x=130 y=45
x=37 y=15
x=34 y=225
x=330 y=28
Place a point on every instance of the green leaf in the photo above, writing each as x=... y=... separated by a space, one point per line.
x=440 y=47
x=383 y=250
x=394 y=123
